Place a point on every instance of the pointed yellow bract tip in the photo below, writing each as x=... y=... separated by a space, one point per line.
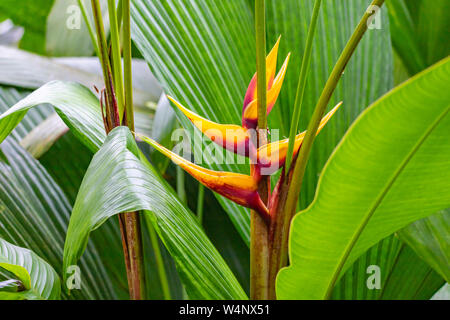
x=240 y=188
x=275 y=152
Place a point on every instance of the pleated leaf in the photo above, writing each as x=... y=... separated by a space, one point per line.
x=38 y=278
x=389 y=170
x=77 y=106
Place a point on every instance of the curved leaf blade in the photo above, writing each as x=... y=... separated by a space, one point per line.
x=76 y=105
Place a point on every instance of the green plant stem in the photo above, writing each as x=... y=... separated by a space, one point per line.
x=181 y=191
x=302 y=83
x=159 y=262
x=200 y=201
x=293 y=185
x=130 y=225
x=275 y=236
x=259 y=247
x=120 y=12
x=116 y=56
x=260 y=26
x=127 y=64
x=88 y=25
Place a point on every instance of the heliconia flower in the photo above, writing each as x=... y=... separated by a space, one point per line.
x=232 y=137
x=250 y=109
x=240 y=188
x=274 y=154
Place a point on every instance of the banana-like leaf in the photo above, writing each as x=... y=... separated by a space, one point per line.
x=89 y=122
x=388 y=270
x=430 y=239
x=67 y=174
x=389 y=170
x=203 y=54
x=38 y=278
x=118 y=181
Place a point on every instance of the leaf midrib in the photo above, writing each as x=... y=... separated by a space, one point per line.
x=379 y=200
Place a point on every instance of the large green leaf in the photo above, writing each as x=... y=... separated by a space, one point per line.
x=203 y=54
x=390 y=169
x=430 y=239
x=117 y=181
x=37 y=276
x=34 y=213
x=25 y=206
x=419 y=31
x=72 y=97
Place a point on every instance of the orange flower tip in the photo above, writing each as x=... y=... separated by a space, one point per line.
x=239 y=188
x=272 y=156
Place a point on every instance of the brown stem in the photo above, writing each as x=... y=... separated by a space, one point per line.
x=129 y=222
x=134 y=241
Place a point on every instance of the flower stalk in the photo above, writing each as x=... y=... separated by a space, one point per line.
x=302 y=82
